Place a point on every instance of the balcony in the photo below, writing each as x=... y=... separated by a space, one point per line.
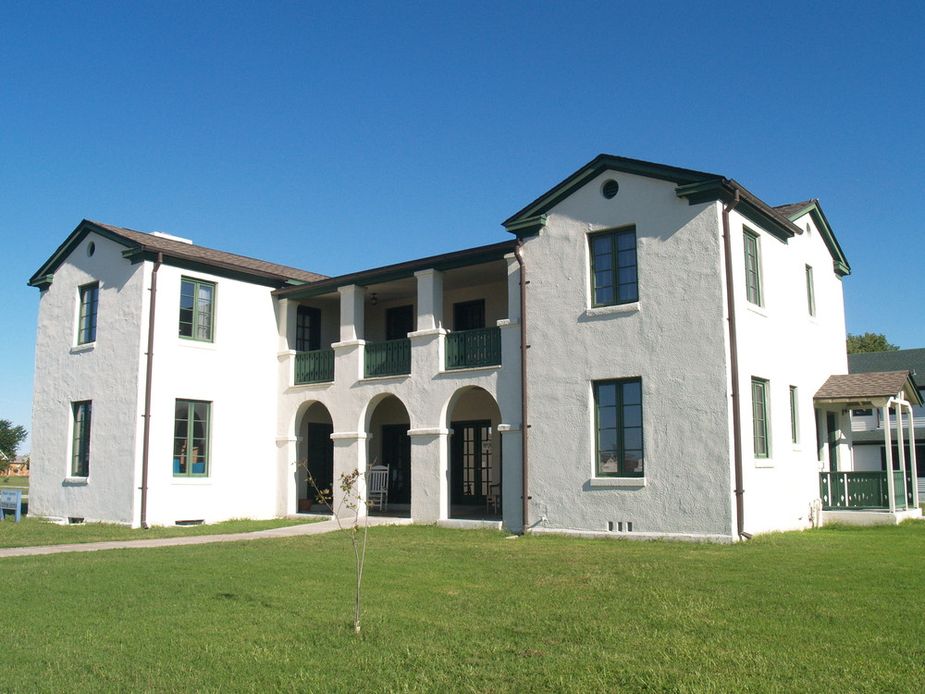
x=473 y=348
x=388 y=358
x=864 y=490
x=316 y=366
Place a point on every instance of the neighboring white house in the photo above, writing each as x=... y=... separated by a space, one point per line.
x=651 y=407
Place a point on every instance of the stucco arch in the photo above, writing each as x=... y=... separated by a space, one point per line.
x=314 y=471
x=366 y=414
x=468 y=392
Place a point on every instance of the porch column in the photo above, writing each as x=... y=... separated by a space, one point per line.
x=349 y=455
x=887 y=439
x=427 y=340
x=512 y=477
x=430 y=474
x=513 y=288
x=913 y=463
x=286 y=472
x=901 y=448
x=348 y=353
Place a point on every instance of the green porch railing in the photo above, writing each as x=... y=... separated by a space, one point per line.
x=860 y=490
x=390 y=358
x=316 y=366
x=472 y=348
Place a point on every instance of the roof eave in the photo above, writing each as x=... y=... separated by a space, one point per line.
x=839 y=261
x=749 y=205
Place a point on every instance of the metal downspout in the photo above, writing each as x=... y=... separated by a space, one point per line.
x=734 y=369
x=149 y=372
x=518 y=253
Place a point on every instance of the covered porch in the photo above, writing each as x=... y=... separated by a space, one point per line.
x=868 y=497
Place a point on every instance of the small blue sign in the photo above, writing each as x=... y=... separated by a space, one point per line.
x=11 y=500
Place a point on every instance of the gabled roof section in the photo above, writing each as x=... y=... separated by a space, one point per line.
x=795 y=210
x=696 y=187
x=859 y=388
x=601 y=163
x=898 y=360
x=142 y=246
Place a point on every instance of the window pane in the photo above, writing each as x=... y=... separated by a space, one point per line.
x=632 y=439
x=632 y=416
x=607 y=417
x=603 y=296
x=601 y=245
x=632 y=393
x=606 y=394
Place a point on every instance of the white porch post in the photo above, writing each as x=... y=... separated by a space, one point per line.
x=913 y=463
x=901 y=448
x=427 y=339
x=887 y=439
x=349 y=456
x=429 y=474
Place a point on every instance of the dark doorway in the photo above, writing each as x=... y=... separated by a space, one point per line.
x=831 y=427
x=471 y=464
x=469 y=315
x=399 y=321
x=320 y=455
x=308 y=329
x=396 y=453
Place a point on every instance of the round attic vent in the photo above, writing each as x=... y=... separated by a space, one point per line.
x=91 y=248
x=610 y=188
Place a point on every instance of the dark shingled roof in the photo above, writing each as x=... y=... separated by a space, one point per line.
x=864 y=386
x=792 y=208
x=904 y=359
x=208 y=255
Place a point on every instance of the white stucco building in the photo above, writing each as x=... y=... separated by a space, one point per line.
x=676 y=331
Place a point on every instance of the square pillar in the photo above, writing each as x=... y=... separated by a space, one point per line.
x=513 y=288
x=430 y=474
x=430 y=300
x=512 y=477
x=352 y=313
x=349 y=455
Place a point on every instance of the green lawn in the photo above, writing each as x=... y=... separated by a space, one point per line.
x=34 y=531
x=15 y=481
x=825 y=610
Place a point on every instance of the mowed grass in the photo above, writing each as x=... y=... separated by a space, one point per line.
x=448 y=611
x=35 y=531
x=15 y=482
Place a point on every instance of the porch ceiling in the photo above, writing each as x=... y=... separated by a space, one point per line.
x=868 y=389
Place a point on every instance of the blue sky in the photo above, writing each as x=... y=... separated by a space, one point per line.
x=341 y=136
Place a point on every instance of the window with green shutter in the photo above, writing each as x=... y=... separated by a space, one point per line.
x=760 y=423
x=613 y=267
x=197 y=309
x=618 y=428
x=191 y=438
x=752 y=268
x=810 y=291
x=80 y=444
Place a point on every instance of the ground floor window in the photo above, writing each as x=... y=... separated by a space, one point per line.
x=191 y=438
x=80 y=450
x=760 y=424
x=618 y=428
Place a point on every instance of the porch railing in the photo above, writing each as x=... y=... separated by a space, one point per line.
x=316 y=366
x=390 y=358
x=862 y=490
x=473 y=348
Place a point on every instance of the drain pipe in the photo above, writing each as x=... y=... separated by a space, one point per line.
x=518 y=253
x=149 y=373
x=734 y=368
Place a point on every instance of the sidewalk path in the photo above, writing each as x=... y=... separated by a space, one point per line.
x=326 y=526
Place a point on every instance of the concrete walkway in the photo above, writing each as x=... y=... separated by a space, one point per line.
x=325 y=526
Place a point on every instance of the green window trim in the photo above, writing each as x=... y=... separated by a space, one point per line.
x=810 y=291
x=614 y=267
x=197 y=309
x=760 y=418
x=86 y=323
x=618 y=433
x=191 y=438
x=752 y=267
x=80 y=443
x=794 y=415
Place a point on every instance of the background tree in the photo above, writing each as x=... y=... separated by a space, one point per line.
x=10 y=439
x=869 y=342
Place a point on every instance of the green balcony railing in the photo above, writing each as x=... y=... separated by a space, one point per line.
x=390 y=358
x=472 y=348
x=861 y=490
x=316 y=366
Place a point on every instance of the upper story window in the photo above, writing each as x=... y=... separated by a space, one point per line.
x=197 y=309
x=810 y=291
x=752 y=268
x=618 y=434
x=191 y=438
x=399 y=321
x=613 y=267
x=760 y=423
x=307 y=329
x=80 y=442
x=469 y=315
x=86 y=324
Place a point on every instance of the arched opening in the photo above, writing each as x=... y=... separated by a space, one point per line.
x=473 y=417
x=389 y=445
x=315 y=471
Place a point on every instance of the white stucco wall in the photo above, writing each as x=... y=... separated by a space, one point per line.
x=236 y=372
x=104 y=372
x=673 y=339
x=779 y=341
